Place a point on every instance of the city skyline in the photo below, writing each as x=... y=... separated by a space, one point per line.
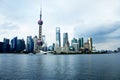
x=97 y=19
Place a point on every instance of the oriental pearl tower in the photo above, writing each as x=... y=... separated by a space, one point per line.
x=40 y=23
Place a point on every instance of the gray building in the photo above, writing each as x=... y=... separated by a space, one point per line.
x=6 y=45
x=74 y=40
x=81 y=43
x=58 y=38
x=30 y=44
x=90 y=44
x=20 y=45
x=65 y=40
x=14 y=44
x=74 y=44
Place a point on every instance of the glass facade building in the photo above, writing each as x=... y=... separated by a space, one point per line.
x=81 y=42
x=74 y=40
x=14 y=44
x=30 y=44
x=90 y=44
x=65 y=39
x=20 y=45
x=58 y=38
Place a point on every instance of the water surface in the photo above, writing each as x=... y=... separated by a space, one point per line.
x=60 y=67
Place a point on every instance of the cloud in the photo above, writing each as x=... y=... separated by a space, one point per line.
x=23 y=11
x=80 y=18
x=100 y=33
x=105 y=36
x=8 y=26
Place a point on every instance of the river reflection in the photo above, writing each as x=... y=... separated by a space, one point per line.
x=60 y=67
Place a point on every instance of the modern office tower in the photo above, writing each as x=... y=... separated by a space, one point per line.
x=118 y=49
x=58 y=39
x=30 y=44
x=44 y=47
x=6 y=41
x=65 y=40
x=53 y=45
x=74 y=40
x=81 y=43
x=90 y=44
x=23 y=46
x=1 y=47
x=43 y=39
x=20 y=45
x=35 y=44
x=14 y=44
x=75 y=44
x=86 y=46
x=6 y=45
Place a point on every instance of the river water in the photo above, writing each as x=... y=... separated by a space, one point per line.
x=60 y=67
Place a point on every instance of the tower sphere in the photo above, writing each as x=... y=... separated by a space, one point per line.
x=40 y=22
x=39 y=42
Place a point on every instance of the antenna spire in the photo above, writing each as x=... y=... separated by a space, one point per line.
x=41 y=10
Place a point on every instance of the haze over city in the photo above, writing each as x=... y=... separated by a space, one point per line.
x=89 y=18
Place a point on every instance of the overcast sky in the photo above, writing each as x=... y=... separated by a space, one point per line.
x=99 y=19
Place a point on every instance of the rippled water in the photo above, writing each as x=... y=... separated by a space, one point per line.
x=60 y=67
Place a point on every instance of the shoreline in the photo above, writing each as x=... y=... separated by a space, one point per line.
x=65 y=53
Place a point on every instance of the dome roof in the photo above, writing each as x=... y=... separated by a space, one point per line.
x=39 y=42
x=40 y=22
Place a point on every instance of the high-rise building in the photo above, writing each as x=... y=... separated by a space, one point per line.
x=20 y=45
x=90 y=44
x=39 y=41
x=58 y=39
x=14 y=44
x=6 y=45
x=30 y=44
x=118 y=49
x=86 y=47
x=43 y=39
x=1 y=47
x=65 y=40
x=74 y=40
x=81 y=43
x=6 y=41
x=74 y=44
x=35 y=44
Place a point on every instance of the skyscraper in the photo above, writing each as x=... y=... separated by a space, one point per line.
x=58 y=39
x=6 y=45
x=20 y=45
x=14 y=44
x=65 y=40
x=90 y=44
x=81 y=43
x=74 y=40
x=74 y=44
x=30 y=44
x=35 y=39
x=43 y=39
x=6 y=41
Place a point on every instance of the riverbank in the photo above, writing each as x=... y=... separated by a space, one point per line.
x=64 y=53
